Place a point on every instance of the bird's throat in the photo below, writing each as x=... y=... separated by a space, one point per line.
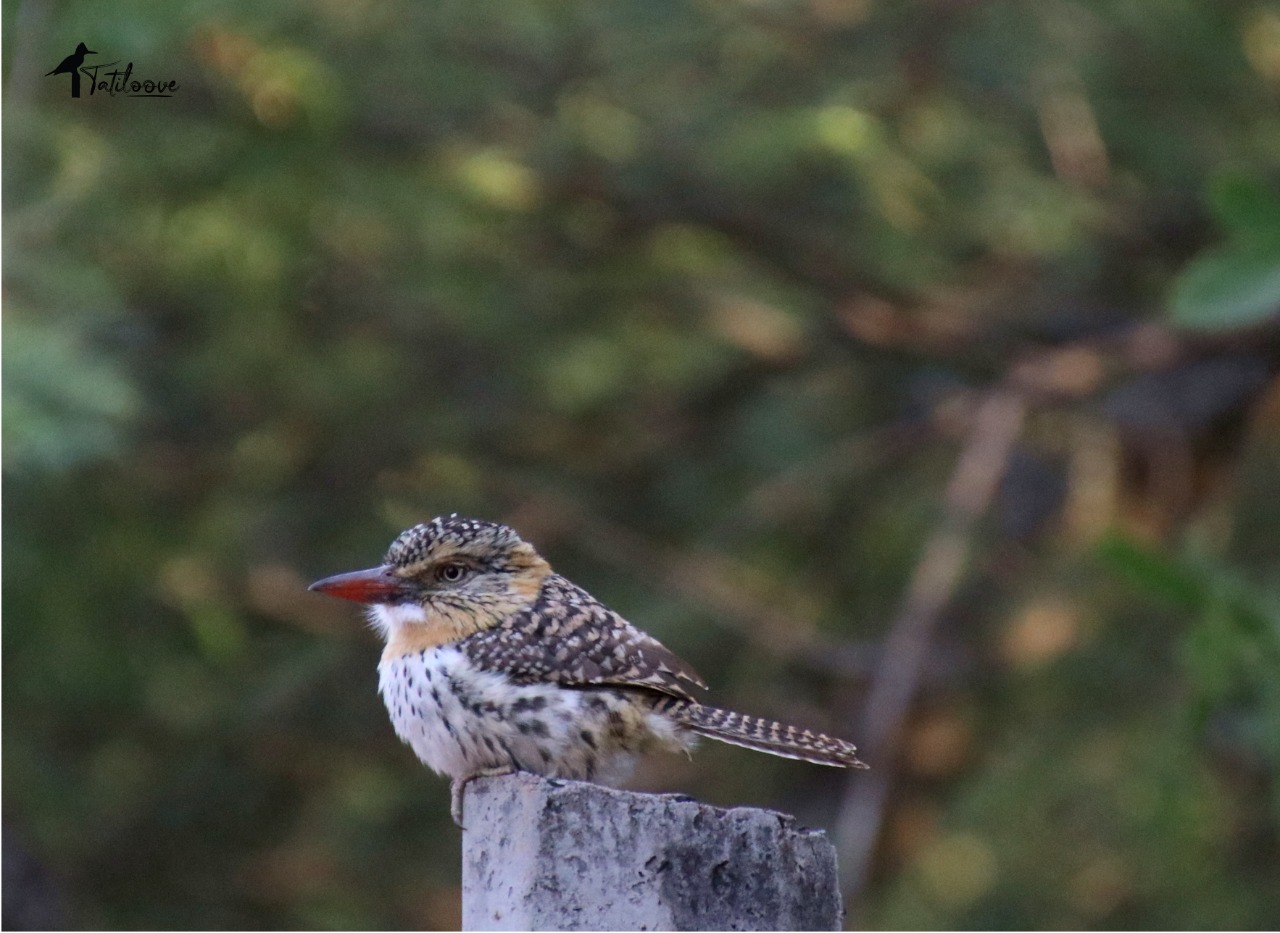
x=413 y=629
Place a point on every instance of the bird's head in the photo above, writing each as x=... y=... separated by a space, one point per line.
x=444 y=580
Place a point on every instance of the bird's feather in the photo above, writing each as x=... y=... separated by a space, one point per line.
x=569 y=637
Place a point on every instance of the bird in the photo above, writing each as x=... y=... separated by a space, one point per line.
x=72 y=61
x=494 y=663
x=71 y=66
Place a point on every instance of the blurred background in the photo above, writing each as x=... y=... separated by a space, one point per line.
x=909 y=368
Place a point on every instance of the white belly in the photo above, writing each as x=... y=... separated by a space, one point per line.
x=459 y=720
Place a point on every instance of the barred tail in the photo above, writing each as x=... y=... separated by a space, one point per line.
x=764 y=735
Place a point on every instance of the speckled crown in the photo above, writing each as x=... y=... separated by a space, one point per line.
x=418 y=542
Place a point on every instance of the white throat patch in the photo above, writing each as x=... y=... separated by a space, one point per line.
x=387 y=619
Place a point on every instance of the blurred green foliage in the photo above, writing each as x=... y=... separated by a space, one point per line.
x=1231 y=651
x=683 y=279
x=1237 y=283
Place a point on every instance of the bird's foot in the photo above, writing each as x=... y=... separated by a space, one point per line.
x=460 y=785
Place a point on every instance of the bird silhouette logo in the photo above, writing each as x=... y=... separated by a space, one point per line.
x=71 y=66
x=109 y=79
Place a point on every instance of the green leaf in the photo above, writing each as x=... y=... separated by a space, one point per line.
x=1247 y=207
x=1233 y=286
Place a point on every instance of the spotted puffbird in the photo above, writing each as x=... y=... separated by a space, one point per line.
x=494 y=663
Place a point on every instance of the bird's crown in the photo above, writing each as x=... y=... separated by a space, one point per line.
x=488 y=544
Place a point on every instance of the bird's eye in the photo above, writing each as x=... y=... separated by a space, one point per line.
x=450 y=573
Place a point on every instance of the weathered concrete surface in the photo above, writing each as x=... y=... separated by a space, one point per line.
x=542 y=854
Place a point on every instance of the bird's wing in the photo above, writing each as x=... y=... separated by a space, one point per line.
x=569 y=637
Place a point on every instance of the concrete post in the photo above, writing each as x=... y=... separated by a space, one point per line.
x=541 y=854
